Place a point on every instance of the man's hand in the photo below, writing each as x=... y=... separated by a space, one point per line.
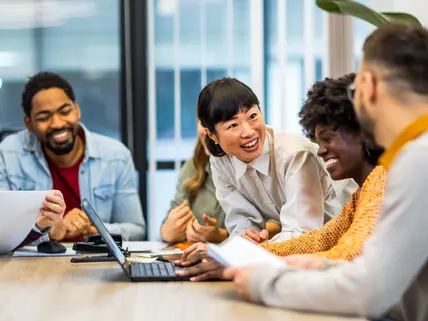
x=240 y=277
x=174 y=228
x=207 y=269
x=52 y=211
x=307 y=262
x=255 y=236
x=196 y=232
x=75 y=223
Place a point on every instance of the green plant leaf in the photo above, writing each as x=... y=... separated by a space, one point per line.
x=402 y=16
x=358 y=10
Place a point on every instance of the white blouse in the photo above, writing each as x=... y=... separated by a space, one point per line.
x=287 y=183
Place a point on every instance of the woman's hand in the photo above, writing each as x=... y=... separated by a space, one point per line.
x=211 y=232
x=174 y=228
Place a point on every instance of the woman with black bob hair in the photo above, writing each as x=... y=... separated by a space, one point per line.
x=261 y=174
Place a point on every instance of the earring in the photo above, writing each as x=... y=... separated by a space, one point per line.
x=367 y=150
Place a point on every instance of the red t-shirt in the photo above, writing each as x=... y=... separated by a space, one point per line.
x=66 y=180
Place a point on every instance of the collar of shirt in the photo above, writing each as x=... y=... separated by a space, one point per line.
x=261 y=164
x=411 y=132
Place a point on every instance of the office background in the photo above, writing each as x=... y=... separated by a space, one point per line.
x=137 y=68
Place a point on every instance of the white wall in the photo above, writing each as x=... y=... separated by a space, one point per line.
x=418 y=8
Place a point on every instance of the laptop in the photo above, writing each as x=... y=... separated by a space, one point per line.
x=140 y=272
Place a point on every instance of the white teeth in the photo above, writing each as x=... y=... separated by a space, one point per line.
x=331 y=161
x=61 y=135
x=250 y=144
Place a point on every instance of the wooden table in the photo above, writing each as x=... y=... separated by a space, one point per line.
x=52 y=288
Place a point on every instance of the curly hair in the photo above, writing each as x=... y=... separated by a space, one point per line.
x=327 y=103
x=42 y=81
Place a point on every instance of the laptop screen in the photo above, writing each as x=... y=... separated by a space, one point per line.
x=114 y=249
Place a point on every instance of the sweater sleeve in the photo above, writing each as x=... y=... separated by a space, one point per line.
x=367 y=212
x=321 y=239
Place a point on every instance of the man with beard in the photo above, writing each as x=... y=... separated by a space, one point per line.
x=391 y=276
x=58 y=152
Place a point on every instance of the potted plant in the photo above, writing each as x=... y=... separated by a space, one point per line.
x=360 y=11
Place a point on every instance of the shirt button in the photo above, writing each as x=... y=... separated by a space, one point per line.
x=82 y=172
x=107 y=196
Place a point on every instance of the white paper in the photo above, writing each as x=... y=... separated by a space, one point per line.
x=144 y=246
x=31 y=251
x=167 y=252
x=140 y=259
x=20 y=210
x=238 y=251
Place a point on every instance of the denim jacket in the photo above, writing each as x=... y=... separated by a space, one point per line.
x=107 y=178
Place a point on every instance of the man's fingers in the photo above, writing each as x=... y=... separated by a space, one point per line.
x=68 y=226
x=53 y=217
x=230 y=273
x=56 y=197
x=83 y=216
x=188 y=262
x=53 y=207
x=212 y=275
x=211 y=268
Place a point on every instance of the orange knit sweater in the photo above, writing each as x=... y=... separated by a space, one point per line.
x=343 y=237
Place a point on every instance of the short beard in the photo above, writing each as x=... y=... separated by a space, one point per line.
x=367 y=127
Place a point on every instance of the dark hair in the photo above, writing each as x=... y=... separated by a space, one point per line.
x=327 y=103
x=42 y=81
x=402 y=49
x=219 y=101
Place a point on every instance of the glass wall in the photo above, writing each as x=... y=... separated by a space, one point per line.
x=78 y=39
x=295 y=47
x=197 y=41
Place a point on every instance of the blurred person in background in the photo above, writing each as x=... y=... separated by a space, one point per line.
x=57 y=151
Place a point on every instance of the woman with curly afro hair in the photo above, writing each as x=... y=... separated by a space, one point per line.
x=328 y=118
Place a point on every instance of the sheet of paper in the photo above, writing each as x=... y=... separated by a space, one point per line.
x=140 y=259
x=144 y=246
x=237 y=251
x=20 y=210
x=31 y=251
x=167 y=252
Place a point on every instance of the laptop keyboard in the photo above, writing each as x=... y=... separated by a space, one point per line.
x=155 y=270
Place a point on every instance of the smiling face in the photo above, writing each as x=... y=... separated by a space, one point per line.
x=54 y=120
x=242 y=136
x=341 y=150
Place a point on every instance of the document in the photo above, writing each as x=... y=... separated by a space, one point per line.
x=19 y=212
x=143 y=247
x=238 y=251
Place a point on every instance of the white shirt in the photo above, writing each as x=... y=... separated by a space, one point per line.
x=287 y=183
